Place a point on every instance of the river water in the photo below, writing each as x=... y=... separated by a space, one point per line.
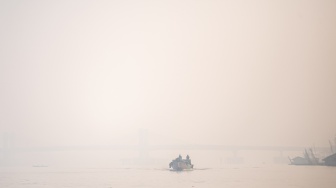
x=238 y=176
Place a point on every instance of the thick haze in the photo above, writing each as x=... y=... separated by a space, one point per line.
x=190 y=72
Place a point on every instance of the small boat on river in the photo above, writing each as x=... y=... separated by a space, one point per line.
x=180 y=164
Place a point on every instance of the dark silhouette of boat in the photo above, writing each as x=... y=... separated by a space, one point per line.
x=180 y=164
x=308 y=158
x=331 y=159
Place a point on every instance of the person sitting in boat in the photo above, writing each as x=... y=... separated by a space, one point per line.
x=188 y=159
x=180 y=157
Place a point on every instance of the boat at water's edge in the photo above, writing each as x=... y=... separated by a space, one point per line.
x=180 y=164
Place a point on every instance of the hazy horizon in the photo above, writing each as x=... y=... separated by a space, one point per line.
x=190 y=72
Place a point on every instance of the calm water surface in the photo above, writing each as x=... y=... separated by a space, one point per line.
x=281 y=176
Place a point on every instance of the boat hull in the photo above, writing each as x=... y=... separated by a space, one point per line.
x=179 y=166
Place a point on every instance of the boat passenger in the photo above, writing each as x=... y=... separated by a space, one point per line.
x=188 y=159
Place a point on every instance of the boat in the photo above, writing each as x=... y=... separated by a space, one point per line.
x=308 y=159
x=180 y=164
x=331 y=159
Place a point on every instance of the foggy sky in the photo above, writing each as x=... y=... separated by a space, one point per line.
x=190 y=72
